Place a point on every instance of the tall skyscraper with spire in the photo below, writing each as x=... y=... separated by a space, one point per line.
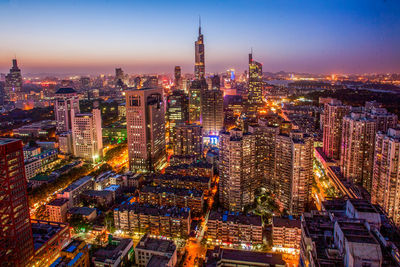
x=199 y=67
x=13 y=86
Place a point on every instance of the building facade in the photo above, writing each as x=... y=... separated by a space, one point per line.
x=357 y=150
x=188 y=139
x=87 y=136
x=212 y=112
x=65 y=105
x=16 y=245
x=334 y=111
x=145 y=117
x=237 y=182
x=386 y=174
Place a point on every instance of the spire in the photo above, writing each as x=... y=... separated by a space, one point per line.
x=251 y=56
x=199 y=25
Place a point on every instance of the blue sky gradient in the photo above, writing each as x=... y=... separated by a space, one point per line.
x=321 y=36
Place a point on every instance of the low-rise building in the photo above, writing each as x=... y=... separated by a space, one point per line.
x=234 y=228
x=101 y=198
x=57 y=210
x=118 y=252
x=181 y=181
x=348 y=233
x=155 y=252
x=88 y=214
x=199 y=168
x=286 y=232
x=44 y=129
x=169 y=196
x=143 y=218
x=48 y=238
x=75 y=254
x=73 y=191
x=231 y=257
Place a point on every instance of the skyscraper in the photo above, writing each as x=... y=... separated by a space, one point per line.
x=237 y=182
x=334 y=111
x=177 y=110
x=178 y=77
x=293 y=171
x=386 y=175
x=87 y=138
x=16 y=241
x=199 y=65
x=195 y=98
x=255 y=84
x=265 y=136
x=13 y=87
x=188 y=139
x=212 y=112
x=145 y=117
x=67 y=101
x=357 y=149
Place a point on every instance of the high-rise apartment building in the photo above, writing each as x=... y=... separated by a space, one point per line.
x=188 y=139
x=237 y=170
x=177 y=110
x=212 y=112
x=16 y=241
x=386 y=175
x=384 y=119
x=13 y=86
x=199 y=65
x=145 y=117
x=265 y=138
x=66 y=103
x=195 y=98
x=293 y=171
x=334 y=111
x=255 y=86
x=357 y=149
x=87 y=135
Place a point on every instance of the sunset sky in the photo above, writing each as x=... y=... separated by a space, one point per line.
x=320 y=36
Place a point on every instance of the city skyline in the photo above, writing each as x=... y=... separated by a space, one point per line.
x=340 y=37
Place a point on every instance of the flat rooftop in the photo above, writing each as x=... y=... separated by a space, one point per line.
x=218 y=255
x=58 y=202
x=77 y=184
x=155 y=244
x=236 y=217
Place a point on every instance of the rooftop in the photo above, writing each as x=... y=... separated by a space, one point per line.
x=85 y=211
x=236 y=217
x=43 y=231
x=217 y=255
x=77 y=184
x=65 y=91
x=113 y=250
x=155 y=244
x=58 y=202
x=286 y=222
x=148 y=209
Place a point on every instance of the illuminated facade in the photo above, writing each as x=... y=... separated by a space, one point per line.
x=16 y=245
x=255 y=84
x=199 y=67
x=385 y=186
x=177 y=110
x=145 y=117
x=188 y=140
x=293 y=171
x=357 y=150
x=66 y=103
x=237 y=170
x=195 y=97
x=13 y=86
x=212 y=112
x=334 y=111
x=87 y=137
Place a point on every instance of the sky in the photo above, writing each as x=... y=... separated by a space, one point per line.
x=149 y=36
